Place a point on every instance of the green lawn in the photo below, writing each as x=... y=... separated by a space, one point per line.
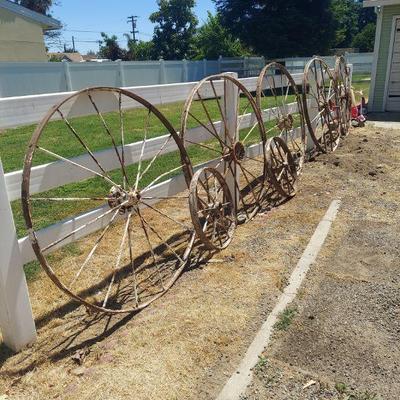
x=361 y=83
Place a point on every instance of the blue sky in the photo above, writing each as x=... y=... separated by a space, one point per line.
x=110 y=17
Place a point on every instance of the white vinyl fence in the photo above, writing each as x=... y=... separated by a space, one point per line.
x=23 y=79
x=16 y=319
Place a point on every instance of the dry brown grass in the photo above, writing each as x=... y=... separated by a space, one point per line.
x=185 y=344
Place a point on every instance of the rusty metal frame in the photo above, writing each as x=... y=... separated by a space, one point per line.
x=342 y=77
x=284 y=118
x=327 y=115
x=129 y=203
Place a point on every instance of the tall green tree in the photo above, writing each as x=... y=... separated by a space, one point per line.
x=213 y=40
x=175 y=28
x=280 y=28
x=110 y=48
x=346 y=14
x=40 y=6
x=140 y=50
x=365 y=40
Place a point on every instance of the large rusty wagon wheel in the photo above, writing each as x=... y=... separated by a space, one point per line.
x=222 y=127
x=212 y=209
x=137 y=235
x=344 y=92
x=281 y=104
x=321 y=105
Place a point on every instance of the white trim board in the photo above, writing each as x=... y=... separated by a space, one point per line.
x=390 y=60
x=378 y=3
x=376 y=57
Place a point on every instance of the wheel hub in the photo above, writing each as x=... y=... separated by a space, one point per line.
x=236 y=153
x=117 y=196
x=285 y=123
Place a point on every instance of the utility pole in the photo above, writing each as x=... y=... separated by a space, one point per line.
x=133 y=20
x=73 y=44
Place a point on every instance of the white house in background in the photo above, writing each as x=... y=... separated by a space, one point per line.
x=385 y=79
x=21 y=33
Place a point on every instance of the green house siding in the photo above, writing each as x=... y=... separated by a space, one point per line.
x=383 y=57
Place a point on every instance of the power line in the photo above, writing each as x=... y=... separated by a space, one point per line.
x=133 y=20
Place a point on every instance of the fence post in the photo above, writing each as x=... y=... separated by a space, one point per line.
x=204 y=67
x=67 y=73
x=246 y=67
x=220 y=64
x=163 y=78
x=351 y=70
x=185 y=70
x=121 y=74
x=16 y=319
x=231 y=117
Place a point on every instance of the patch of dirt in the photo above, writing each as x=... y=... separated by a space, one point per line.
x=189 y=342
x=346 y=334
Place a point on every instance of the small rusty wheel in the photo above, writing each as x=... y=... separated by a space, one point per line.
x=321 y=105
x=132 y=239
x=222 y=127
x=212 y=209
x=344 y=92
x=282 y=169
x=281 y=105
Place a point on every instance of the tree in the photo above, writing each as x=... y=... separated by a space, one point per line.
x=365 y=40
x=175 y=28
x=213 y=40
x=140 y=50
x=110 y=48
x=277 y=28
x=40 y=6
x=346 y=14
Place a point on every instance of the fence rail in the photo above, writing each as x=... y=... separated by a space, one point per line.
x=22 y=79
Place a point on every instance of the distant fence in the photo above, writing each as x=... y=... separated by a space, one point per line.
x=22 y=79
x=362 y=62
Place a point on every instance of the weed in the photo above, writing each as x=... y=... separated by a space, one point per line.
x=262 y=362
x=285 y=319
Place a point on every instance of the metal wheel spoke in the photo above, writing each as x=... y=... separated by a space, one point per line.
x=94 y=248
x=204 y=146
x=77 y=165
x=254 y=159
x=69 y=199
x=132 y=261
x=122 y=125
x=166 y=216
x=248 y=182
x=118 y=262
x=146 y=233
x=219 y=103
x=239 y=191
x=250 y=132
x=216 y=135
x=155 y=157
x=81 y=141
x=162 y=240
x=142 y=150
x=147 y=188
x=206 y=128
x=83 y=226
x=106 y=127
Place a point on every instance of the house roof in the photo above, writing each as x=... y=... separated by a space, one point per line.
x=46 y=22
x=73 y=57
x=377 y=3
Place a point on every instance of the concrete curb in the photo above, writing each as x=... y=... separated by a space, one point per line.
x=242 y=377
